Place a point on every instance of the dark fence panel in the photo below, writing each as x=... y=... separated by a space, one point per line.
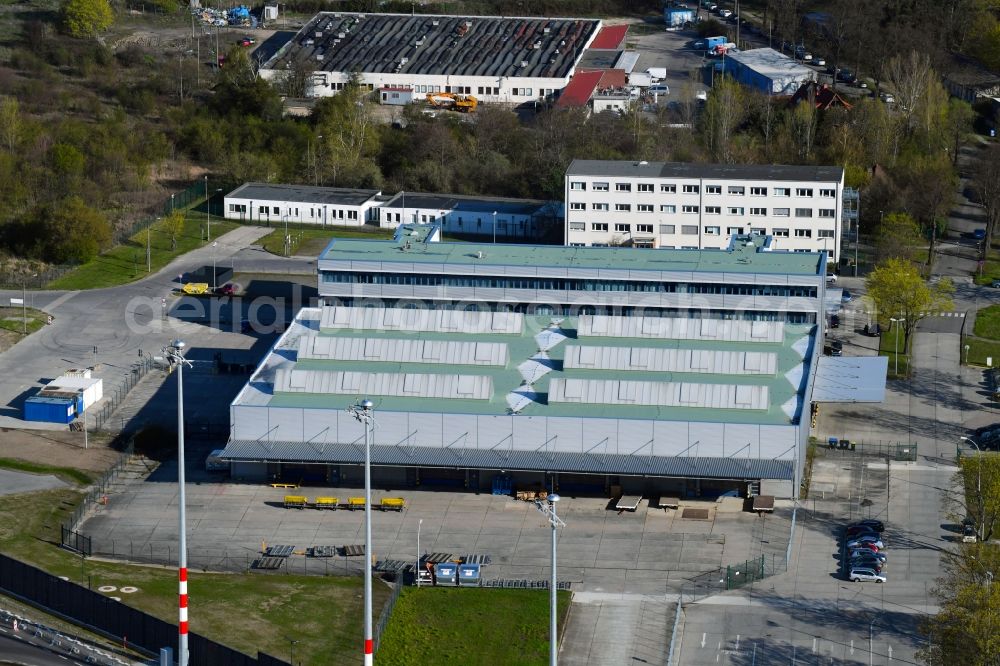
x=114 y=618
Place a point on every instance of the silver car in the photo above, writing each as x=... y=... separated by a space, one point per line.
x=865 y=574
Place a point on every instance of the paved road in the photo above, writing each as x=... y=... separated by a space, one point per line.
x=811 y=614
x=120 y=322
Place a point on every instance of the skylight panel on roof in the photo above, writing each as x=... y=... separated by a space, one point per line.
x=700 y=359
x=484 y=351
x=709 y=327
x=586 y=356
x=743 y=395
x=760 y=329
x=412 y=383
x=297 y=379
x=752 y=361
x=467 y=385
x=639 y=357
x=373 y=348
x=688 y=393
x=350 y=381
x=432 y=350
x=627 y=391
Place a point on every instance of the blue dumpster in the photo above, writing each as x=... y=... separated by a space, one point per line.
x=445 y=573
x=468 y=574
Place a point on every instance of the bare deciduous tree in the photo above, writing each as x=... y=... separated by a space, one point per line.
x=909 y=76
x=987 y=186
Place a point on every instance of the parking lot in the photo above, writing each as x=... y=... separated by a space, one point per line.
x=649 y=551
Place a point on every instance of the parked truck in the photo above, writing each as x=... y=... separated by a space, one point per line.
x=657 y=74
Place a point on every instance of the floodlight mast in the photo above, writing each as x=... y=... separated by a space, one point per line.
x=549 y=510
x=364 y=412
x=175 y=355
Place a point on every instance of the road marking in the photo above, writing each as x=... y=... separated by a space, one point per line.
x=703 y=636
x=737 y=642
x=814 y=645
x=890 y=653
x=852 y=646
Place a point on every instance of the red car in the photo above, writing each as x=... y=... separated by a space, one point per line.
x=228 y=289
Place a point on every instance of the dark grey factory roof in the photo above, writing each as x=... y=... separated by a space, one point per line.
x=599 y=59
x=626 y=168
x=459 y=203
x=438 y=45
x=586 y=463
x=303 y=194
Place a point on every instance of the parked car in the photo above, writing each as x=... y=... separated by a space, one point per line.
x=246 y=41
x=819 y=61
x=888 y=98
x=725 y=13
x=876 y=525
x=831 y=278
x=858 y=530
x=865 y=553
x=228 y=289
x=873 y=329
x=866 y=540
x=995 y=284
x=846 y=75
x=846 y=297
x=866 y=574
x=979 y=234
x=866 y=562
x=836 y=348
x=834 y=321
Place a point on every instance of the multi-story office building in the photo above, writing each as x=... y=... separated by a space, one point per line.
x=701 y=206
x=689 y=372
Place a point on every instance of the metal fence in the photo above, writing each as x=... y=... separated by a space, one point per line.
x=116 y=395
x=523 y=584
x=849 y=448
x=98 y=490
x=58 y=642
x=733 y=576
x=111 y=618
x=383 y=619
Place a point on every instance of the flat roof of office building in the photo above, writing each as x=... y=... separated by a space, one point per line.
x=743 y=258
x=643 y=169
x=422 y=44
x=472 y=204
x=303 y=194
x=592 y=366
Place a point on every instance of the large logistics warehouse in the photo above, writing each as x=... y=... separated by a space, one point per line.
x=686 y=372
x=511 y=60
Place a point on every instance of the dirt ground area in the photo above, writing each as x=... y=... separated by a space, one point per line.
x=64 y=449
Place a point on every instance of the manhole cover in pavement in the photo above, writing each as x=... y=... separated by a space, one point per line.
x=695 y=514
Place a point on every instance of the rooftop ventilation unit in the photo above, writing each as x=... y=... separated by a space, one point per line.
x=537 y=45
x=468 y=24
x=546 y=30
x=524 y=63
x=403 y=61
x=341 y=35
x=435 y=22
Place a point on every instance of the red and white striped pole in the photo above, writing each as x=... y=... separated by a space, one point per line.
x=182 y=572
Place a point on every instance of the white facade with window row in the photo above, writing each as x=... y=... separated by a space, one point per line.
x=702 y=206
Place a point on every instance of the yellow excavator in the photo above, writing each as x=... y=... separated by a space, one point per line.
x=444 y=100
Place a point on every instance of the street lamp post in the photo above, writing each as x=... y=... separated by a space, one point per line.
x=419 y=524
x=363 y=412
x=175 y=353
x=896 y=347
x=549 y=510
x=208 y=212
x=979 y=485
x=215 y=282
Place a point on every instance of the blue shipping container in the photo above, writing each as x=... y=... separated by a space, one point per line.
x=49 y=410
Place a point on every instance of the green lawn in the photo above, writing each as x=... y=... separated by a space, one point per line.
x=13 y=319
x=127 y=262
x=311 y=242
x=248 y=612
x=988 y=322
x=980 y=350
x=472 y=626
x=991 y=269
x=70 y=474
x=887 y=347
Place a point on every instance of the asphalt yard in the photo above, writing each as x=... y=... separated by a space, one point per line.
x=648 y=552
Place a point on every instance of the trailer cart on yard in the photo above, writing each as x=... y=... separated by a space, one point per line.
x=628 y=502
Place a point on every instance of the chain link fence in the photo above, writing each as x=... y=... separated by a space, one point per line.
x=97 y=493
x=116 y=395
x=834 y=447
x=733 y=576
x=383 y=618
x=66 y=646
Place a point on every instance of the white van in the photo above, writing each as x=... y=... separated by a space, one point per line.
x=659 y=89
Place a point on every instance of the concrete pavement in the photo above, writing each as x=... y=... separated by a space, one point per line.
x=119 y=322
